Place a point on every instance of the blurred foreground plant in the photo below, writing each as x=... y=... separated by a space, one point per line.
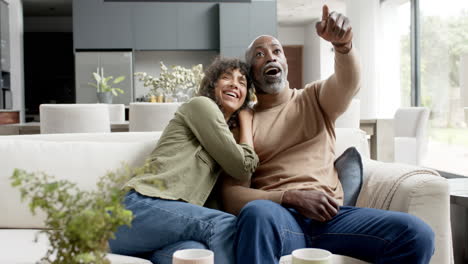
x=79 y=222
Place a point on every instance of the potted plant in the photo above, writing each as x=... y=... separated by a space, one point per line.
x=104 y=88
x=79 y=223
x=175 y=85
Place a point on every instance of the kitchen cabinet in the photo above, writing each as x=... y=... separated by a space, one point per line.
x=240 y=23
x=154 y=26
x=145 y=25
x=175 y=26
x=234 y=25
x=197 y=26
x=114 y=64
x=98 y=25
x=263 y=19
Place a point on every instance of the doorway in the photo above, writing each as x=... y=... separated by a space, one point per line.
x=293 y=54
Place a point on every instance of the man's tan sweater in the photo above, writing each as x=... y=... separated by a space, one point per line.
x=295 y=140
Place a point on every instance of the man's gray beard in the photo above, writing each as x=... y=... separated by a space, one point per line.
x=273 y=88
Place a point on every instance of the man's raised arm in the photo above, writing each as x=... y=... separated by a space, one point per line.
x=336 y=92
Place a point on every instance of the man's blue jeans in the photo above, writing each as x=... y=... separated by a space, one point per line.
x=161 y=227
x=267 y=231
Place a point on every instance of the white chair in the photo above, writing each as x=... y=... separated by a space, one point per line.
x=116 y=113
x=410 y=134
x=351 y=117
x=150 y=116
x=74 y=118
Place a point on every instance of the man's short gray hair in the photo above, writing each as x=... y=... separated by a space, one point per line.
x=248 y=52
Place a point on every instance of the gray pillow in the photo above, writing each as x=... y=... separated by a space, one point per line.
x=349 y=168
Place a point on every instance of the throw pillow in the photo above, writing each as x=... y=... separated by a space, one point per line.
x=349 y=168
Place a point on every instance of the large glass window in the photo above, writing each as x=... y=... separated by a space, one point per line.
x=444 y=49
x=404 y=30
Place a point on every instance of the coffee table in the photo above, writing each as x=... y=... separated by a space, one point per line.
x=336 y=259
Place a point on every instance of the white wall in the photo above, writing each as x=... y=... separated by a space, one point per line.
x=363 y=15
x=312 y=57
x=148 y=61
x=327 y=59
x=319 y=57
x=16 y=55
x=48 y=24
x=292 y=35
x=389 y=47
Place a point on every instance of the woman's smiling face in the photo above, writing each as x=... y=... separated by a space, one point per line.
x=230 y=91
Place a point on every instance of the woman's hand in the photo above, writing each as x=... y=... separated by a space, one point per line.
x=245 y=116
x=245 y=123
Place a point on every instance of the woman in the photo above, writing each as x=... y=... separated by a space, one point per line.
x=190 y=155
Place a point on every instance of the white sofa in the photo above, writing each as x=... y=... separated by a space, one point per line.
x=83 y=158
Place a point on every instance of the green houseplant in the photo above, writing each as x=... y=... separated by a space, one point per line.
x=79 y=223
x=104 y=86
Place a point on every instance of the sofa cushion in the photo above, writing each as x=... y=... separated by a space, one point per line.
x=349 y=168
x=79 y=162
x=15 y=242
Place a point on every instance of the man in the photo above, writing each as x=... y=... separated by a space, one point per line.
x=293 y=200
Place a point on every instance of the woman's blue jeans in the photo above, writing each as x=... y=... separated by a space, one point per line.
x=161 y=227
x=266 y=231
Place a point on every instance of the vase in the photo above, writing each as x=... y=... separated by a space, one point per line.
x=104 y=97
x=170 y=97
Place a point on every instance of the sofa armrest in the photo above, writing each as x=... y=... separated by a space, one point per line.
x=419 y=191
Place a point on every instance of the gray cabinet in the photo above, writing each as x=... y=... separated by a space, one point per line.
x=154 y=26
x=234 y=21
x=263 y=19
x=145 y=25
x=113 y=64
x=175 y=26
x=99 y=25
x=197 y=26
x=240 y=23
x=4 y=37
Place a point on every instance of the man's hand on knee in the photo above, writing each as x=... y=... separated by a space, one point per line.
x=313 y=204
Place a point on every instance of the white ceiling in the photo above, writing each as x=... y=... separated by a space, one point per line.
x=299 y=12
x=290 y=12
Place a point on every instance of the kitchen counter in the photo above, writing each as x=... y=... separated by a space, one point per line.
x=9 y=116
x=35 y=128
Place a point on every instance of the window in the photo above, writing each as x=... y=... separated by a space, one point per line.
x=404 y=30
x=443 y=44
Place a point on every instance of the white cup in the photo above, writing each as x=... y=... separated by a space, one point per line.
x=311 y=256
x=193 y=256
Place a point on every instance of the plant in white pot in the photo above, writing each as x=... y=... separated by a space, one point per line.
x=104 y=86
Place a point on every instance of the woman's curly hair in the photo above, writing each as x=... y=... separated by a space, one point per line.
x=213 y=73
